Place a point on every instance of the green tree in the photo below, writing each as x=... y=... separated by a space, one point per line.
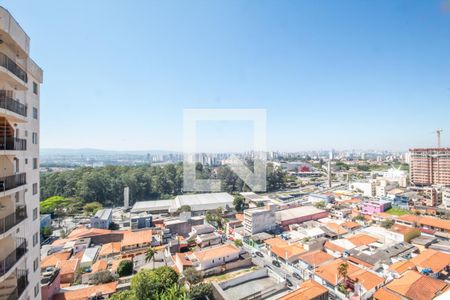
x=239 y=203
x=150 y=255
x=193 y=276
x=320 y=204
x=102 y=277
x=175 y=292
x=343 y=271
x=125 y=268
x=46 y=232
x=91 y=208
x=184 y=208
x=151 y=284
x=201 y=291
x=387 y=223
x=113 y=226
x=238 y=243
x=124 y=295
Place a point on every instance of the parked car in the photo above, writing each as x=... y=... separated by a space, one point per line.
x=276 y=263
x=259 y=254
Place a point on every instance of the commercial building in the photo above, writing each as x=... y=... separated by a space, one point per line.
x=375 y=206
x=199 y=203
x=430 y=166
x=20 y=80
x=102 y=219
x=298 y=215
x=260 y=219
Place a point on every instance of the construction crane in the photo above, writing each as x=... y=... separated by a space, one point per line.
x=438 y=133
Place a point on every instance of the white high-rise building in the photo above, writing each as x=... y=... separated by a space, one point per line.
x=20 y=79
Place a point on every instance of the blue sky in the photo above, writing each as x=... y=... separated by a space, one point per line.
x=333 y=74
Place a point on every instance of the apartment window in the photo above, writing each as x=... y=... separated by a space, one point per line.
x=26 y=161
x=35 y=113
x=26 y=133
x=35 y=188
x=35 y=88
x=35 y=239
x=36 y=290
x=35 y=264
x=34 y=138
x=35 y=213
x=35 y=163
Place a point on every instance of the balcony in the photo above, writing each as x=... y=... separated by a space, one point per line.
x=12 y=182
x=13 y=144
x=22 y=283
x=10 y=261
x=12 y=67
x=13 y=219
x=8 y=103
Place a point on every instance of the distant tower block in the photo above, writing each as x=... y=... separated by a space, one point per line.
x=126 y=197
x=329 y=173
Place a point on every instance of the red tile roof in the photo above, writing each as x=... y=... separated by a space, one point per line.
x=85 y=293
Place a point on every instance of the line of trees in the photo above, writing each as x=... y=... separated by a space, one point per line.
x=105 y=184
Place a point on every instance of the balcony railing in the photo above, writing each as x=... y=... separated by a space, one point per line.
x=12 y=143
x=13 y=181
x=9 y=262
x=13 y=219
x=22 y=283
x=9 y=103
x=14 y=68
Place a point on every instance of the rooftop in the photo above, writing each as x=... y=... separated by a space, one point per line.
x=315 y=258
x=131 y=238
x=68 y=266
x=110 y=248
x=432 y=259
x=103 y=214
x=86 y=292
x=297 y=212
x=414 y=285
x=307 y=290
x=216 y=252
x=53 y=259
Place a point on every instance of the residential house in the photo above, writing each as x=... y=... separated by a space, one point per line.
x=328 y=276
x=68 y=270
x=432 y=262
x=308 y=290
x=412 y=285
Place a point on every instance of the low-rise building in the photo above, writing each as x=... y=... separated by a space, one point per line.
x=365 y=283
x=259 y=219
x=432 y=262
x=50 y=283
x=308 y=290
x=102 y=218
x=89 y=257
x=412 y=285
x=212 y=260
x=375 y=206
x=299 y=215
x=68 y=270
x=208 y=239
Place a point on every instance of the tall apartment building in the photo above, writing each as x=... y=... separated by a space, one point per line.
x=20 y=79
x=430 y=166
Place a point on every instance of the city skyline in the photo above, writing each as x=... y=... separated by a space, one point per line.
x=354 y=75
